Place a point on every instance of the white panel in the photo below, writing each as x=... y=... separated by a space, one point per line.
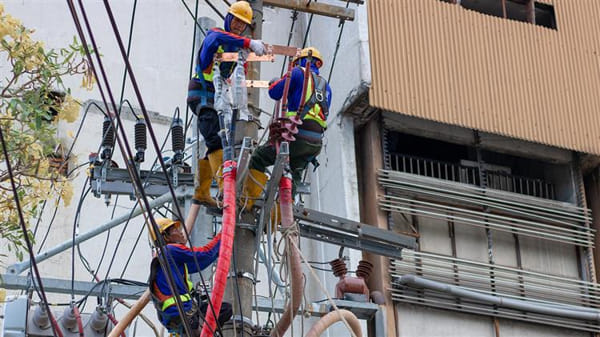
x=434 y=236
x=510 y=328
x=504 y=249
x=414 y=321
x=471 y=243
x=549 y=257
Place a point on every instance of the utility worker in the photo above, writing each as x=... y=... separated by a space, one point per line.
x=181 y=261
x=201 y=91
x=308 y=141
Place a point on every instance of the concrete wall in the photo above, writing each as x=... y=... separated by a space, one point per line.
x=160 y=55
x=412 y=318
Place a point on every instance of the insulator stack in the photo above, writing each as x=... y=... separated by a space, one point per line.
x=177 y=135
x=339 y=267
x=108 y=138
x=364 y=269
x=141 y=142
x=108 y=133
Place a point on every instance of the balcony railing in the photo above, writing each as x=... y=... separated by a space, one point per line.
x=470 y=175
x=493 y=279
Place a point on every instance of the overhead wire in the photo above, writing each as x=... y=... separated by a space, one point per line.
x=67 y=157
x=150 y=129
x=210 y=5
x=131 y=213
x=192 y=58
x=130 y=39
x=337 y=45
x=112 y=216
x=126 y=152
x=84 y=191
x=291 y=33
x=55 y=328
x=122 y=102
x=307 y=31
x=120 y=141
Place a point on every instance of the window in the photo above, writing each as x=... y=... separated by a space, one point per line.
x=520 y=10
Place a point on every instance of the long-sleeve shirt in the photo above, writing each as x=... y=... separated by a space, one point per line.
x=214 y=39
x=294 y=99
x=179 y=256
x=295 y=90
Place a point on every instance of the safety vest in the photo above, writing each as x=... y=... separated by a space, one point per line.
x=209 y=73
x=162 y=301
x=316 y=107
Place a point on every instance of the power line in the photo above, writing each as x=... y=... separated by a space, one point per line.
x=55 y=328
x=150 y=129
x=192 y=58
x=124 y=148
x=84 y=192
x=337 y=45
x=133 y=11
x=294 y=18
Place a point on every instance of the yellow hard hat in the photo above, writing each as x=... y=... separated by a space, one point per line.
x=242 y=11
x=316 y=54
x=163 y=224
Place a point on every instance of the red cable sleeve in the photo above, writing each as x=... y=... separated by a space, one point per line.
x=227 y=236
x=78 y=318
x=55 y=324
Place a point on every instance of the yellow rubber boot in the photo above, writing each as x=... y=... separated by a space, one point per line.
x=255 y=183
x=216 y=165
x=202 y=192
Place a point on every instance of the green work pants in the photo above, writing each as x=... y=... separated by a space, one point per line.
x=301 y=153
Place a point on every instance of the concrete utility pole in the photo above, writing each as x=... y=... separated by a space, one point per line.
x=243 y=253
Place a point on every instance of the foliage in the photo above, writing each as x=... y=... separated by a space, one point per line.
x=33 y=99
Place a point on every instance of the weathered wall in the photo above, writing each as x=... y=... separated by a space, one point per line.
x=458 y=66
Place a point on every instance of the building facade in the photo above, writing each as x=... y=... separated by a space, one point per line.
x=478 y=136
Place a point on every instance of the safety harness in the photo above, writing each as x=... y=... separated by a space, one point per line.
x=316 y=107
x=160 y=300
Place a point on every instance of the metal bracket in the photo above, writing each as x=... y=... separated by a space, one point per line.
x=246 y=275
x=118 y=181
x=303 y=188
x=333 y=229
x=272 y=186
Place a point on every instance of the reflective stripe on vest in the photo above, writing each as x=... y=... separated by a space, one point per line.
x=314 y=113
x=208 y=73
x=185 y=297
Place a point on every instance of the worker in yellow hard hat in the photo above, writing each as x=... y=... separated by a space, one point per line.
x=308 y=143
x=201 y=90
x=181 y=261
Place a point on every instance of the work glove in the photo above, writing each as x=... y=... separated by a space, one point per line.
x=258 y=47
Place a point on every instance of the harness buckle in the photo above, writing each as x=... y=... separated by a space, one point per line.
x=319 y=95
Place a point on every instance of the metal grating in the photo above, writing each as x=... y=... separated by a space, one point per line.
x=470 y=175
x=507 y=282
x=480 y=207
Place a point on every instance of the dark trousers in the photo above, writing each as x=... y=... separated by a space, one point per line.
x=208 y=125
x=301 y=153
x=196 y=318
x=224 y=314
